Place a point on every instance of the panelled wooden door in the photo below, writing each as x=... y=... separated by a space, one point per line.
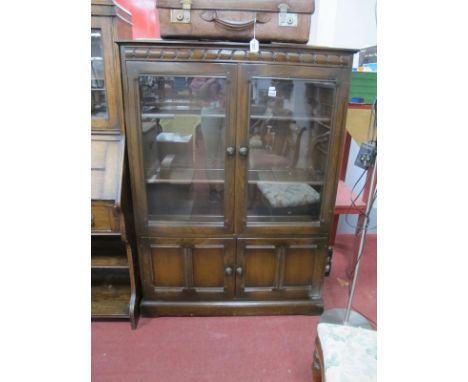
x=280 y=268
x=188 y=269
x=212 y=269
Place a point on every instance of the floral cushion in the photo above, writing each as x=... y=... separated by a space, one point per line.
x=288 y=194
x=349 y=353
x=256 y=142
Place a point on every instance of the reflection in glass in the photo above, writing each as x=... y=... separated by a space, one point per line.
x=183 y=131
x=98 y=90
x=289 y=136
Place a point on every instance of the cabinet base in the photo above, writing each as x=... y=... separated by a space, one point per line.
x=231 y=308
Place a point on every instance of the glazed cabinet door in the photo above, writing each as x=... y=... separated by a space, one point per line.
x=280 y=268
x=288 y=144
x=105 y=91
x=187 y=269
x=181 y=133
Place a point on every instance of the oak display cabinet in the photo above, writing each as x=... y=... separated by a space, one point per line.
x=114 y=277
x=234 y=160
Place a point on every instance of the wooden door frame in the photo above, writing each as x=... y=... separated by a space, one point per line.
x=131 y=71
x=339 y=76
x=111 y=79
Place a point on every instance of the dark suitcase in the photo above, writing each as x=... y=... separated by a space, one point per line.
x=273 y=20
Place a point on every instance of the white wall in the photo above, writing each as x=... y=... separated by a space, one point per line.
x=346 y=24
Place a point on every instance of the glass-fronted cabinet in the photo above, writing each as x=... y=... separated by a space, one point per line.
x=109 y=22
x=114 y=278
x=234 y=160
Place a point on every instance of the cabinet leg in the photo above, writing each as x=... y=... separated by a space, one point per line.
x=328 y=265
x=132 y=305
x=336 y=220
x=132 y=313
x=316 y=369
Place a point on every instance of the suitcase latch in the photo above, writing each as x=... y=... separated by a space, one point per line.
x=182 y=15
x=286 y=19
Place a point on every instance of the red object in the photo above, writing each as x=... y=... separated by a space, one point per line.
x=145 y=18
x=229 y=349
x=344 y=195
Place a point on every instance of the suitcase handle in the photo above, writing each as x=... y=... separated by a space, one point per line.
x=233 y=24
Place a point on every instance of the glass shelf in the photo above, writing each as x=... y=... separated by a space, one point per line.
x=295 y=118
x=189 y=176
x=188 y=113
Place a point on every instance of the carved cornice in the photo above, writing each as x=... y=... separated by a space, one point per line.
x=238 y=54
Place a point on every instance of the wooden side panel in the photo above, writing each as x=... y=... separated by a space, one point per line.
x=298 y=267
x=167 y=266
x=208 y=267
x=259 y=266
x=103 y=219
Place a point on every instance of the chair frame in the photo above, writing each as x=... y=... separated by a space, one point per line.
x=318 y=369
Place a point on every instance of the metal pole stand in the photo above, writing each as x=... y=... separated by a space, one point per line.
x=347 y=316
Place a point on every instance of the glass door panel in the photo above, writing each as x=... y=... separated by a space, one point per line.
x=183 y=128
x=98 y=88
x=288 y=142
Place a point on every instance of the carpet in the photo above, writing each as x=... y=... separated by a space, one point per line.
x=228 y=349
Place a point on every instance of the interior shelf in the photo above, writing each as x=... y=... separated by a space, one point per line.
x=283 y=176
x=110 y=300
x=289 y=118
x=106 y=261
x=185 y=113
x=188 y=176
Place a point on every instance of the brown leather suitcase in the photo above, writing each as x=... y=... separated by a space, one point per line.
x=274 y=20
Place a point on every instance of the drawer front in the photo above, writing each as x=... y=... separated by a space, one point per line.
x=103 y=219
x=280 y=268
x=187 y=269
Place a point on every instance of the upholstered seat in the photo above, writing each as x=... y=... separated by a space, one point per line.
x=348 y=354
x=285 y=195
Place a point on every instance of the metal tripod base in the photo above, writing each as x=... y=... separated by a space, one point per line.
x=337 y=316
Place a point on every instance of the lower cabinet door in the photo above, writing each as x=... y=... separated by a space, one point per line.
x=183 y=269
x=280 y=268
